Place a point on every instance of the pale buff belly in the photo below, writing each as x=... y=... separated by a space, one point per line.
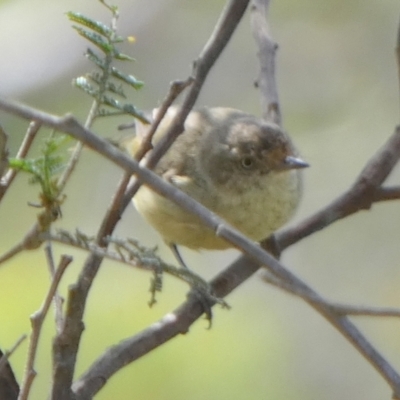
x=257 y=213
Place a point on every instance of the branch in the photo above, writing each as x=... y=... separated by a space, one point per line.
x=128 y=253
x=171 y=325
x=127 y=186
x=342 y=309
x=180 y=320
x=175 y=90
x=67 y=343
x=267 y=48
x=76 y=152
x=361 y=195
x=37 y=320
x=58 y=300
x=71 y=126
x=387 y=193
x=26 y=144
x=219 y=38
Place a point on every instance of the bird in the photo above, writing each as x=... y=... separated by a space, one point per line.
x=244 y=169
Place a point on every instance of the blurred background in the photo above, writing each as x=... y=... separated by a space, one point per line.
x=338 y=85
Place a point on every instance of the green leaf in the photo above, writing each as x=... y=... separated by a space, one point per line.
x=117 y=39
x=90 y=23
x=96 y=39
x=21 y=165
x=109 y=86
x=132 y=110
x=119 y=90
x=83 y=84
x=111 y=102
x=129 y=79
x=123 y=108
x=99 y=84
x=92 y=56
x=103 y=112
x=123 y=57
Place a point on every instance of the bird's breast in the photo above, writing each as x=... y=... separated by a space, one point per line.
x=257 y=211
x=264 y=206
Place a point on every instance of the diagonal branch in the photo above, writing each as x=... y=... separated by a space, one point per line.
x=26 y=144
x=361 y=196
x=232 y=276
x=66 y=344
x=219 y=38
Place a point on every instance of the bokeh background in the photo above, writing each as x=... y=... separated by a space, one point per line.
x=339 y=95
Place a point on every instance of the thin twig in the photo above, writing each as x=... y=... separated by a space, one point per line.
x=179 y=321
x=175 y=90
x=226 y=25
x=387 y=193
x=66 y=345
x=18 y=248
x=267 y=48
x=128 y=187
x=73 y=161
x=30 y=241
x=76 y=152
x=37 y=320
x=148 y=262
x=374 y=173
x=5 y=357
x=173 y=325
x=342 y=309
x=58 y=300
x=30 y=135
x=364 y=311
x=114 y=211
x=26 y=144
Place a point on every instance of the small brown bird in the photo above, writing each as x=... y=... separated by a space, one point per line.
x=242 y=168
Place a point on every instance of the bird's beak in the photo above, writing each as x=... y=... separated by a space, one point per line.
x=291 y=162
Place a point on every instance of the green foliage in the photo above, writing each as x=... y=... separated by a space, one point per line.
x=107 y=81
x=45 y=171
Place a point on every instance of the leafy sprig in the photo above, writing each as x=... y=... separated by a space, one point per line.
x=106 y=84
x=45 y=171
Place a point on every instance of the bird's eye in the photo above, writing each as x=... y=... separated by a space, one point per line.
x=247 y=162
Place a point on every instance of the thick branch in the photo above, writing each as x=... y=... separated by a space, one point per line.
x=66 y=344
x=360 y=196
x=384 y=160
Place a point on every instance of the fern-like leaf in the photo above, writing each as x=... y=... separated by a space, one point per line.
x=101 y=84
